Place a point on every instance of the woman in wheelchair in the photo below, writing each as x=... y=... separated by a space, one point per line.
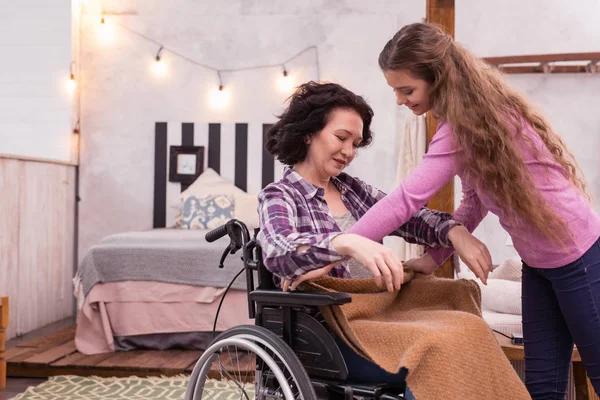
x=303 y=216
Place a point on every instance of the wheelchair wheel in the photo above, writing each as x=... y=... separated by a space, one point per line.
x=256 y=362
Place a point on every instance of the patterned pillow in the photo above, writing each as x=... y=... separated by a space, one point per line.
x=206 y=212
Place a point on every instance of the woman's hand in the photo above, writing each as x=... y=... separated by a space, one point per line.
x=424 y=264
x=472 y=251
x=383 y=263
x=287 y=284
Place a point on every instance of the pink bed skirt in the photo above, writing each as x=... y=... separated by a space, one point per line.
x=140 y=308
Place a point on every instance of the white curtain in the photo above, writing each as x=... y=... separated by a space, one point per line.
x=410 y=150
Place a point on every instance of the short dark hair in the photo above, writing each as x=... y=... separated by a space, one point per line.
x=308 y=112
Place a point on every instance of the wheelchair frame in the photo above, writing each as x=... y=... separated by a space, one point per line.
x=295 y=318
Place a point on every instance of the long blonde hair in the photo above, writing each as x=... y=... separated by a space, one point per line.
x=483 y=112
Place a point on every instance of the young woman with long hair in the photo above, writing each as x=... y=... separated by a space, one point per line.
x=513 y=164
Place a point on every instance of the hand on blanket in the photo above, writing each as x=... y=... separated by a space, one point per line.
x=288 y=284
x=472 y=251
x=424 y=265
x=383 y=263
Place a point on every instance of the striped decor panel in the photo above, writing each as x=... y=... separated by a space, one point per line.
x=235 y=151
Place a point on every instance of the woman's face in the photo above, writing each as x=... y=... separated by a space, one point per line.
x=334 y=147
x=410 y=91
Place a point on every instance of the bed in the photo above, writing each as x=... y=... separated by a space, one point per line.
x=160 y=288
x=135 y=285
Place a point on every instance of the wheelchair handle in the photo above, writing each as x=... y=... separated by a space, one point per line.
x=216 y=233
x=239 y=239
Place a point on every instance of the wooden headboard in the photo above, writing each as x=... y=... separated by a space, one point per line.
x=235 y=151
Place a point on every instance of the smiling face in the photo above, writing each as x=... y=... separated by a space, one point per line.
x=410 y=91
x=334 y=147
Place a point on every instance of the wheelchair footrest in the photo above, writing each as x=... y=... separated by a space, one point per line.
x=350 y=389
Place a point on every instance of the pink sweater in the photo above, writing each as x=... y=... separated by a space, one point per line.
x=443 y=161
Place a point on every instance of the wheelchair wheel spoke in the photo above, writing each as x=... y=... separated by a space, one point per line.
x=251 y=367
x=222 y=363
x=237 y=360
x=229 y=364
x=252 y=363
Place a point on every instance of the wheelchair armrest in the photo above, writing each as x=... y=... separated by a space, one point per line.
x=279 y=298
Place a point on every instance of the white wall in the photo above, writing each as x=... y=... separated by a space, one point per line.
x=516 y=27
x=35 y=105
x=122 y=99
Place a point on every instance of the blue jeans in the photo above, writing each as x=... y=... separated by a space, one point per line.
x=561 y=306
x=364 y=371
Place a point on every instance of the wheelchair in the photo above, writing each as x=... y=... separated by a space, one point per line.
x=289 y=353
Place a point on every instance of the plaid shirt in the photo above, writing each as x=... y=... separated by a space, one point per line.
x=293 y=212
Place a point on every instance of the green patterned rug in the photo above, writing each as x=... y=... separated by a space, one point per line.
x=71 y=387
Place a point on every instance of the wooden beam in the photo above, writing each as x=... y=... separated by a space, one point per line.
x=542 y=63
x=543 y=58
x=37 y=159
x=3 y=326
x=441 y=12
x=551 y=69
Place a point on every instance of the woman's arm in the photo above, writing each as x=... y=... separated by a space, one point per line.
x=470 y=213
x=288 y=253
x=470 y=249
x=426 y=227
x=436 y=169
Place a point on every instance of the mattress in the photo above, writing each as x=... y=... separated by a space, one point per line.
x=162 y=255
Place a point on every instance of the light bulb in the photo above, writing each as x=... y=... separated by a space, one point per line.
x=159 y=67
x=106 y=31
x=219 y=98
x=71 y=84
x=286 y=82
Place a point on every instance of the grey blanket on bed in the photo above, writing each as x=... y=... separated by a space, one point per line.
x=163 y=255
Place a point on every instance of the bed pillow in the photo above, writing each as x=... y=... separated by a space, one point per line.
x=207 y=212
x=245 y=208
x=210 y=182
x=510 y=269
x=501 y=295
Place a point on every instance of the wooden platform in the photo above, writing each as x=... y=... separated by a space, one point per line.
x=55 y=354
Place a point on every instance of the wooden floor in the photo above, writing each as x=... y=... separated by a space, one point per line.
x=51 y=351
x=15 y=386
x=55 y=354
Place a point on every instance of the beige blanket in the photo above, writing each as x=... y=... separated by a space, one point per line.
x=433 y=327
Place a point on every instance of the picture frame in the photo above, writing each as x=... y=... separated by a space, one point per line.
x=186 y=163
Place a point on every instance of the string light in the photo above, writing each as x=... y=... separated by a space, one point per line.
x=158 y=66
x=286 y=82
x=75 y=141
x=219 y=97
x=106 y=32
x=71 y=83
